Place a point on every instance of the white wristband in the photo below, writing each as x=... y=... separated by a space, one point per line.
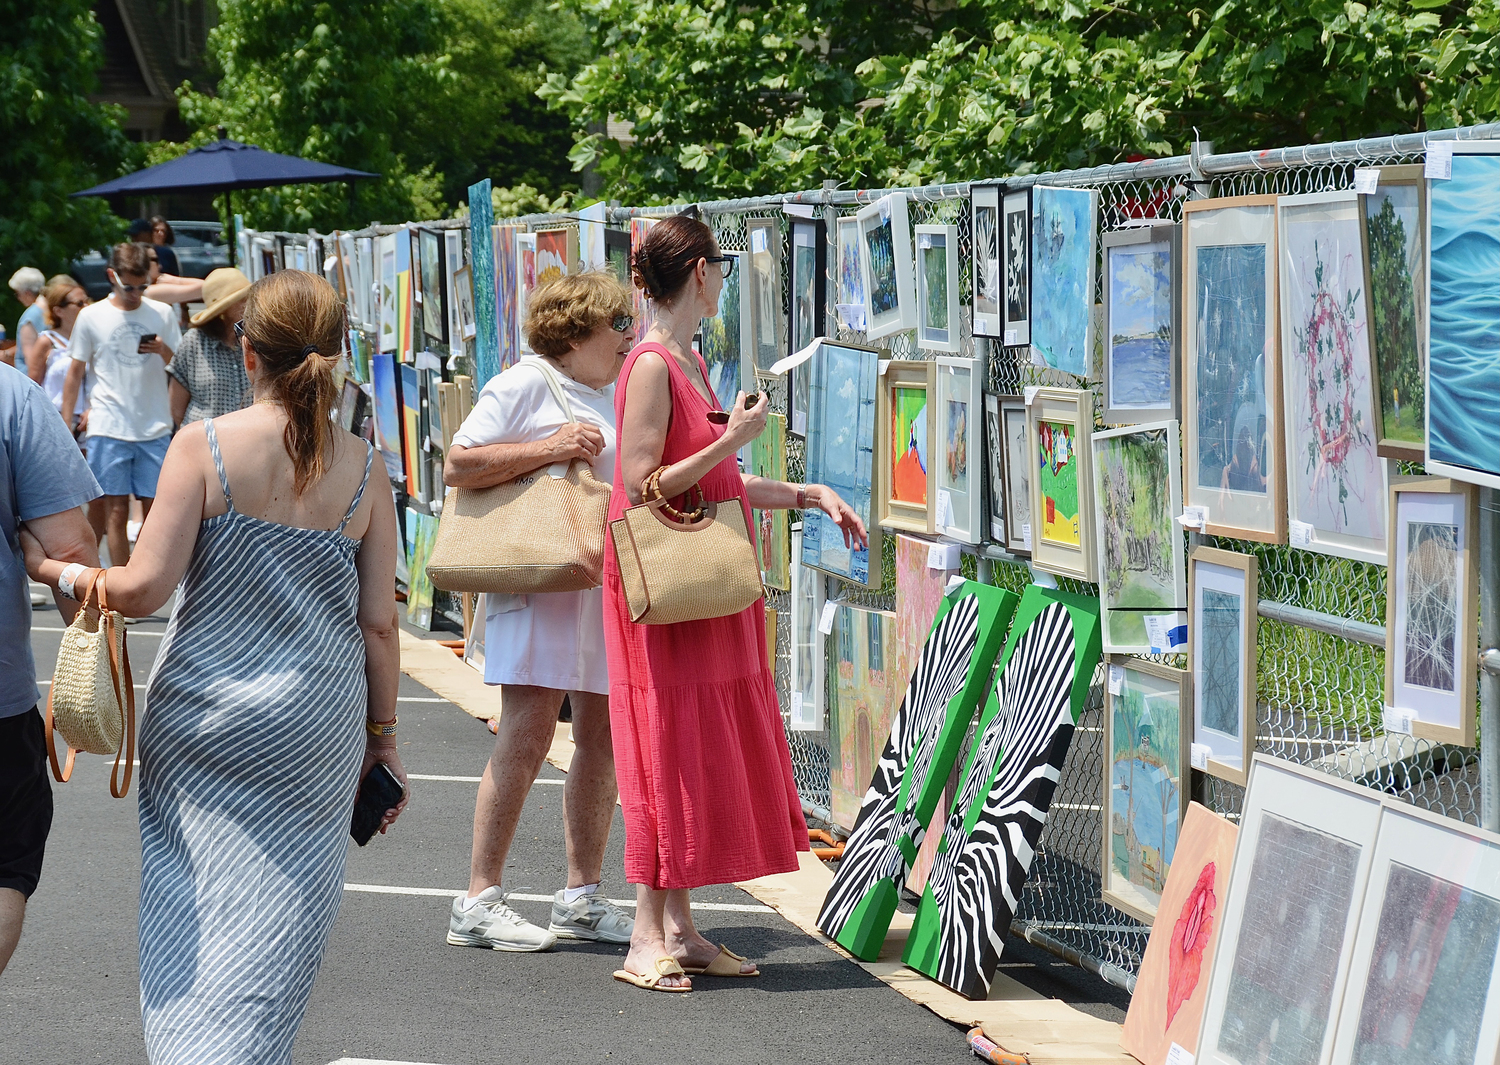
x=71 y=572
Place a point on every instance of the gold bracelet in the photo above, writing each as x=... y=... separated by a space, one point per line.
x=381 y=729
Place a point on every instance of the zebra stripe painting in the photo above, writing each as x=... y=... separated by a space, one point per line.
x=991 y=834
x=930 y=724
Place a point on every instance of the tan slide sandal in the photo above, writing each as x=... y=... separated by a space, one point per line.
x=725 y=963
x=665 y=966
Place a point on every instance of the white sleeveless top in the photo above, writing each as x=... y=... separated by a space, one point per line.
x=57 y=373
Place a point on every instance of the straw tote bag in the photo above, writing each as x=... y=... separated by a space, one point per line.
x=542 y=532
x=91 y=703
x=678 y=567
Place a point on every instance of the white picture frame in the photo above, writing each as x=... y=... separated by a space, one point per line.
x=848 y=275
x=1222 y=627
x=885 y=259
x=959 y=451
x=988 y=273
x=937 y=288
x=764 y=316
x=807 y=693
x=364 y=282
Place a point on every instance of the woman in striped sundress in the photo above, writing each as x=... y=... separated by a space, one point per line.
x=254 y=737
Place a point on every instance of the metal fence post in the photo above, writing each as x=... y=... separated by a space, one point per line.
x=1489 y=638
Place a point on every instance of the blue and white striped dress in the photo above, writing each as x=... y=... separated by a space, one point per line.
x=251 y=743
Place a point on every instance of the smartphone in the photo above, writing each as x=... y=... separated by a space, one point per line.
x=147 y=339
x=378 y=792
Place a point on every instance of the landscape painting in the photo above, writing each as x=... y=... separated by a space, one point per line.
x=1138 y=346
x=841 y=454
x=764 y=262
x=860 y=649
x=1062 y=276
x=937 y=287
x=721 y=338
x=772 y=526
x=1057 y=473
x=1395 y=265
x=886 y=262
x=1016 y=213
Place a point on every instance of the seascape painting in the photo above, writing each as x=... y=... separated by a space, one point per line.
x=1138 y=350
x=860 y=652
x=1062 y=276
x=1431 y=605
x=764 y=261
x=841 y=454
x=1016 y=211
x=908 y=443
x=772 y=527
x=1145 y=784
x=1057 y=474
x=1463 y=398
x=1017 y=478
x=1233 y=430
x=1140 y=546
x=552 y=254
x=721 y=337
x=987 y=273
x=1395 y=265
x=1220 y=646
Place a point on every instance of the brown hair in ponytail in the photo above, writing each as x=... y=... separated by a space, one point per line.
x=295 y=323
x=664 y=263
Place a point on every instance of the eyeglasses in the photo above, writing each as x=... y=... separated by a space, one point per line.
x=72 y=303
x=621 y=323
x=726 y=263
x=131 y=288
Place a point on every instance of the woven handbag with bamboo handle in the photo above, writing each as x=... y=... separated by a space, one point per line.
x=91 y=703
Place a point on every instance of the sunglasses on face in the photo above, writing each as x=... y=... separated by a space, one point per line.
x=726 y=263
x=621 y=323
x=131 y=288
x=72 y=303
x=239 y=329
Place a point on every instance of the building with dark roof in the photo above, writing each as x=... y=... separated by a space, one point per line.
x=150 y=48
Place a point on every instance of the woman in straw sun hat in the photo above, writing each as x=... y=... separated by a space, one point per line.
x=207 y=375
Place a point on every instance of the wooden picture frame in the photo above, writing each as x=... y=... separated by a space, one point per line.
x=988 y=266
x=1228 y=573
x=1142 y=370
x=1407 y=185
x=1221 y=463
x=907 y=472
x=937 y=308
x=1017 y=469
x=1125 y=895
x=1059 y=423
x=958 y=449
x=885 y=259
x=1015 y=253
x=765 y=321
x=1433 y=508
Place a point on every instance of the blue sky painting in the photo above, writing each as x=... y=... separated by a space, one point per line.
x=841 y=454
x=1062 y=276
x=1140 y=325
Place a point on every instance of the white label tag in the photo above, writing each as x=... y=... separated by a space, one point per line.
x=997 y=530
x=1010 y=338
x=955 y=582
x=1439 y=164
x=1398 y=721
x=943 y=556
x=758 y=240
x=885 y=209
x=1300 y=533
x=1037 y=359
x=881 y=366
x=1116 y=679
x=1165 y=633
x=1177 y=1055
x=797 y=707
x=1031 y=391
x=1366 y=179
x=944 y=507
x=924 y=240
x=1026 y=535
x=1198 y=754
x=1193 y=517
x=825 y=623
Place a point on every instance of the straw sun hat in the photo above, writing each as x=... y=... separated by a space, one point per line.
x=221 y=288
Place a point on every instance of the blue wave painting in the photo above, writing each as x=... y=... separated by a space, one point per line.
x=1062 y=277
x=1464 y=356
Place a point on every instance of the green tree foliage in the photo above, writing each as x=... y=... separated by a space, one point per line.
x=1395 y=320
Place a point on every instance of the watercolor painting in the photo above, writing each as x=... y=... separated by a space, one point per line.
x=988 y=275
x=1463 y=367
x=1147 y=781
x=1017 y=478
x=937 y=287
x=1221 y=643
x=859 y=653
x=507 y=289
x=1057 y=474
x=908 y=442
x=886 y=262
x=721 y=338
x=1138 y=349
x=841 y=454
x=1233 y=431
x=1016 y=212
x=851 y=278
x=1395 y=275
x=935 y=279
x=764 y=278
x=807 y=323
x=421 y=530
x=1062 y=276
x=553 y=248
x=772 y=527
x=880 y=245
x=1431 y=605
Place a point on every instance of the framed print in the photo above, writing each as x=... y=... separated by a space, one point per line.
x=1148 y=725
x=1064 y=224
x=723 y=340
x=463 y=297
x=937 y=288
x=386 y=248
x=988 y=275
x=642 y=307
x=348 y=271
x=525 y=285
x=1431 y=603
x=960 y=479
x=556 y=254
x=1463 y=323
x=1142 y=576
x=908 y=481
x=1233 y=464
x=1059 y=422
x=507 y=290
x=850 y=301
x=886 y=265
x=806 y=309
x=453 y=258
x=432 y=288
x=1017 y=467
x=1300 y=869
x=808 y=700
x=1424 y=972
x=994 y=455
x=841 y=435
x=617 y=254
x=1336 y=483
x=763 y=292
x=1015 y=211
x=1221 y=653
x=772 y=533
x=1393 y=228
x=1141 y=308
x=365 y=275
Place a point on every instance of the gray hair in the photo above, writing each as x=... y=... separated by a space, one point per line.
x=27 y=279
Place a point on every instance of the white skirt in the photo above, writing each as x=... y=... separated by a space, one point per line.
x=555 y=641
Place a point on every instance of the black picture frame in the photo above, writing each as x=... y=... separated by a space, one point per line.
x=617 y=254
x=1015 y=250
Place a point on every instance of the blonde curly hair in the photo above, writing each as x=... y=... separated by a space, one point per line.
x=567 y=309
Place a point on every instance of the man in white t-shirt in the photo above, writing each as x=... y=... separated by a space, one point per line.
x=126 y=342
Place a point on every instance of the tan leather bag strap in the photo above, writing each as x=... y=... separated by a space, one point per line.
x=119 y=675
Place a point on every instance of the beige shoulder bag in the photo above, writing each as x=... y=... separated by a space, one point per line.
x=91 y=703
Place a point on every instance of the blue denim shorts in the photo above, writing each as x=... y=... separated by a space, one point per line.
x=127 y=467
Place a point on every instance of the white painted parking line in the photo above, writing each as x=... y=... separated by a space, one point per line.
x=377 y=1061
x=468 y=780
x=420 y=699
x=448 y=893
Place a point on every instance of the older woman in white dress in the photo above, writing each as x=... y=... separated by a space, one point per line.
x=539 y=648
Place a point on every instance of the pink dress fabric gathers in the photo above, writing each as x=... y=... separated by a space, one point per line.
x=705 y=775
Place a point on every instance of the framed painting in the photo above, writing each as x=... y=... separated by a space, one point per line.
x=850 y=297
x=886 y=265
x=908 y=481
x=1064 y=225
x=1233 y=465
x=1393 y=228
x=1463 y=323
x=937 y=288
x=525 y=285
x=994 y=455
x=960 y=487
x=1142 y=290
x=453 y=258
x=762 y=263
x=1431 y=603
x=722 y=340
x=1336 y=482
x=988 y=274
x=1017 y=469
x=1221 y=653
x=858 y=655
x=772 y=527
x=556 y=254
x=1300 y=869
x=806 y=311
x=507 y=322
x=841 y=434
x=1015 y=321
x=806 y=695
x=1059 y=422
x=617 y=254
x=434 y=321
x=366 y=275
x=405 y=294
x=1148 y=726
x=1142 y=572
x=463 y=299
x=1423 y=976
x=386 y=245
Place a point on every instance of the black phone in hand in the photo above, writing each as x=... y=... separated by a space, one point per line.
x=378 y=792
x=149 y=338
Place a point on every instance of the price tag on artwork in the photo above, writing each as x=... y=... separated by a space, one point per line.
x=1010 y=338
x=1030 y=393
x=1300 y=533
x=943 y=556
x=1397 y=721
x=797 y=708
x=944 y=507
x=924 y=241
x=997 y=530
x=1366 y=179
x=1026 y=535
x=1037 y=358
x=1165 y=633
x=1193 y=517
x=1439 y=164
x=1198 y=754
x=1177 y=1055
x=1116 y=679
x=825 y=623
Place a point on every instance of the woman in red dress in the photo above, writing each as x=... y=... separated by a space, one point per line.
x=705 y=776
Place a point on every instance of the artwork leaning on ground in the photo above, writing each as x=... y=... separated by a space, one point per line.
x=991 y=834
x=840 y=453
x=1063 y=250
x=939 y=703
x=772 y=527
x=1394 y=228
x=722 y=341
x=859 y=658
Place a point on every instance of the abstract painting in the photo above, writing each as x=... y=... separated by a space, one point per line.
x=988 y=273
x=1221 y=653
x=1394 y=225
x=1336 y=483
x=1463 y=347
x=806 y=310
x=556 y=252
x=421 y=530
x=991 y=834
x=1233 y=462
x=937 y=288
x=642 y=308
x=858 y=655
x=772 y=526
x=763 y=292
x=507 y=290
x=722 y=341
x=906 y=470
x=1059 y=423
x=525 y=284
x=1016 y=250
x=432 y=288
x=481 y=279
x=1147 y=729
x=944 y=689
x=960 y=488
x=411 y=429
x=841 y=434
x=1017 y=468
x=1141 y=563
x=1172 y=984
x=387 y=413
x=886 y=265
x=808 y=698
x=851 y=279
x=1140 y=331
x=405 y=296
x=1063 y=250
x=994 y=454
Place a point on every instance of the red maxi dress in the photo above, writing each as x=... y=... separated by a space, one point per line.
x=705 y=775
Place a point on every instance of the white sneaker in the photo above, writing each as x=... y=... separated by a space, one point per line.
x=590 y=917
x=491 y=923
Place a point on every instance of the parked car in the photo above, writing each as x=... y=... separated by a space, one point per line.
x=200 y=247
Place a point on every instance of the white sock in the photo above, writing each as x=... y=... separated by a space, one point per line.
x=573 y=894
x=469 y=901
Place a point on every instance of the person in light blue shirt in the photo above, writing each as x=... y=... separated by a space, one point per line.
x=27 y=283
x=44 y=484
